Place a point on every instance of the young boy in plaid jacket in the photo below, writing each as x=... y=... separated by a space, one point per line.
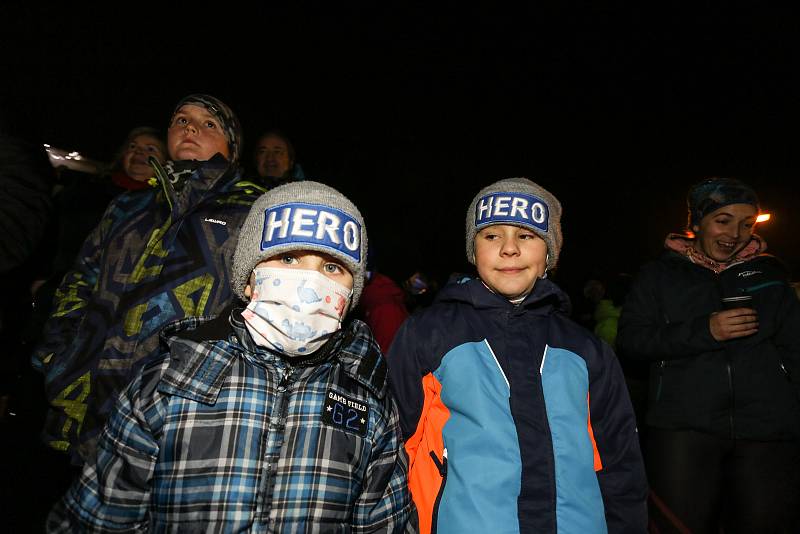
x=273 y=418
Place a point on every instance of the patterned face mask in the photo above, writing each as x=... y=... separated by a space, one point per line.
x=294 y=311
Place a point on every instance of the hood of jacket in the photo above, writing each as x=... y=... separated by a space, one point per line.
x=183 y=184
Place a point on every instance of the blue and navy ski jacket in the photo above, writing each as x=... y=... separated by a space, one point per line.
x=516 y=419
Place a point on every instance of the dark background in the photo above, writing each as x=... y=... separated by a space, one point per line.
x=409 y=110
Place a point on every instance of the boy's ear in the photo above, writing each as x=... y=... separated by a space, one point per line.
x=248 y=287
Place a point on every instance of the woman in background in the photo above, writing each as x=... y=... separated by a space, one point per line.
x=718 y=322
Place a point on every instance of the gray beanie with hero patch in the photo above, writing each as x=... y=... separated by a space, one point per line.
x=301 y=216
x=518 y=202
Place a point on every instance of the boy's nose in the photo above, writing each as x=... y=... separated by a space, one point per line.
x=510 y=248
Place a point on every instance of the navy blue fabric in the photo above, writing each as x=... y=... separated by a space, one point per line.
x=469 y=313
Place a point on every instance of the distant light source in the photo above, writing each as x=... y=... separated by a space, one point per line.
x=764 y=217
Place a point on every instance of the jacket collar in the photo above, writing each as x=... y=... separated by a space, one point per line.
x=545 y=297
x=184 y=183
x=685 y=246
x=202 y=350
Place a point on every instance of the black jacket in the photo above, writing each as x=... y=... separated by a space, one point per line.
x=744 y=388
x=25 y=184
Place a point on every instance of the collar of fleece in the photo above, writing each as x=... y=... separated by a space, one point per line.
x=685 y=246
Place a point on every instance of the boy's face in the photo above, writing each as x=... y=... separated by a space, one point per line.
x=195 y=134
x=510 y=259
x=310 y=261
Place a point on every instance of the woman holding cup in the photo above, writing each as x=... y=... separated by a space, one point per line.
x=720 y=324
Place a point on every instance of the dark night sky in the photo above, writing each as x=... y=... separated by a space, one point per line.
x=409 y=112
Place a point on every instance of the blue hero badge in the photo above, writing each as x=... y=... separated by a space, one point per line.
x=512 y=208
x=312 y=224
x=345 y=413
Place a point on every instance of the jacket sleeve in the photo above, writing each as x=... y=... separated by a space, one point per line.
x=385 y=503
x=69 y=304
x=621 y=476
x=646 y=332
x=786 y=338
x=405 y=377
x=112 y=493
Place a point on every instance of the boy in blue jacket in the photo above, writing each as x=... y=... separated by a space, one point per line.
x=516 y=418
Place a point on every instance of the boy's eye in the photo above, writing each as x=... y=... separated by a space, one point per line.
x=332 y=268
x=288 y=259
x=152 y=149
x=527 y=236
x=180 y=121
x=211 y=125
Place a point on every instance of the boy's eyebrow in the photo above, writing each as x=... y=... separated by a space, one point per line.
x=732 y=215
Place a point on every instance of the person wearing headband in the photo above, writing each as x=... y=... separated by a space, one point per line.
x=718 y=322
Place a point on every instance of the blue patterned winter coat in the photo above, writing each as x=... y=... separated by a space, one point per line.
x=156 y=256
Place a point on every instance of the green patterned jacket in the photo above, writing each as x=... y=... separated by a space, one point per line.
x=156 y=256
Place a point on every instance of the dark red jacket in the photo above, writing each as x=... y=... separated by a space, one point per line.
x=384 y=309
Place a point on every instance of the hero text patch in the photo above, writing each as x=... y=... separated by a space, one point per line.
x=513 y=208
x=315 y=224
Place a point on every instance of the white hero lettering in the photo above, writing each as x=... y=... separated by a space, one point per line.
x=298 y=222
x=511 y=207
x=300 y=219
x=328 y=224
x=273 y=223
x=351 y=235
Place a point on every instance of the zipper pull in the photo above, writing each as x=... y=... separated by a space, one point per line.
x=440 y=465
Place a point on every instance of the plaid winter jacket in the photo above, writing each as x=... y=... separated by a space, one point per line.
x=156 y=256
x=225 y=436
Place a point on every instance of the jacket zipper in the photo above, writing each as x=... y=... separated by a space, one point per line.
x=442 y=467
x=264 y=503
x=161 y=176
x=661 y=365
x=729 y=367
x=729 y=370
